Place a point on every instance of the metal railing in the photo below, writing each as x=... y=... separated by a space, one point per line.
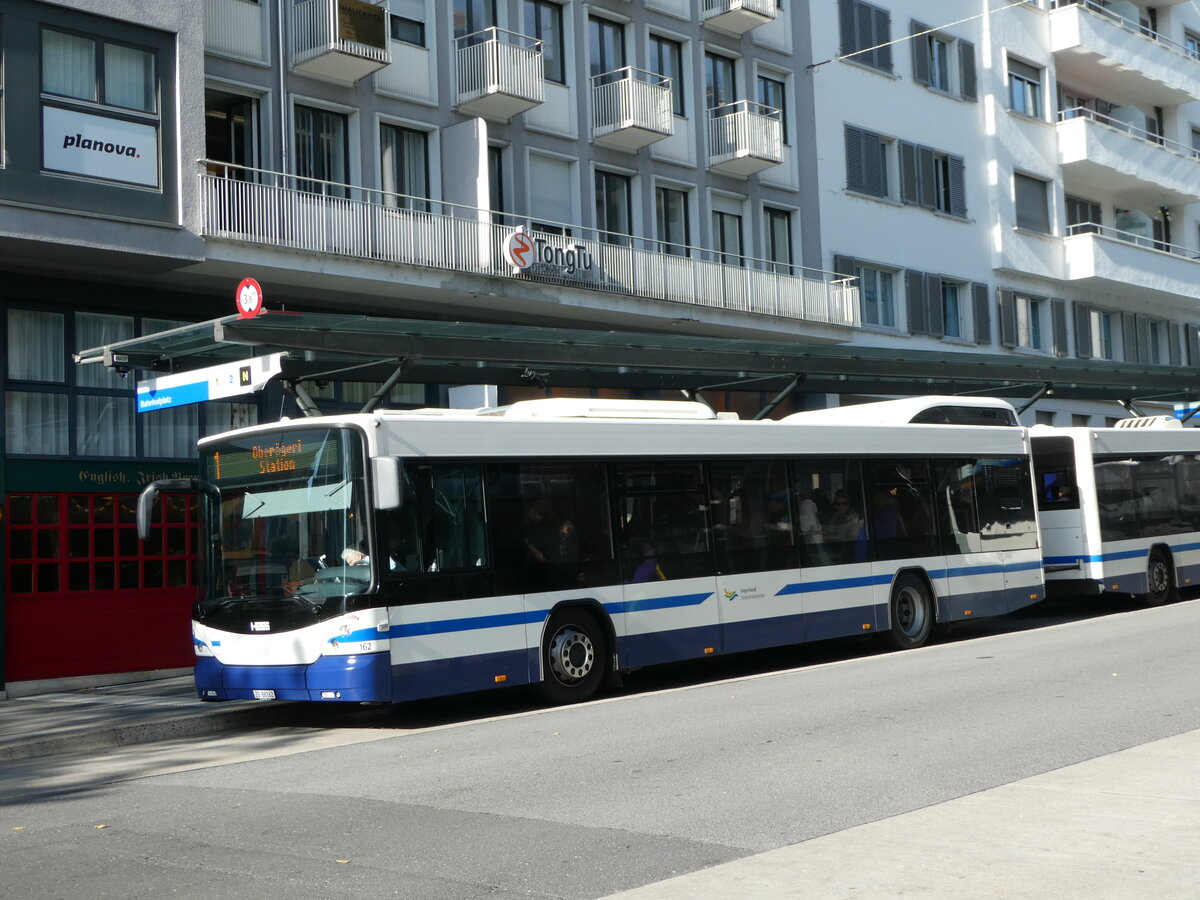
x=1131 y=237
x=745 y=128
x=631 y=98
x=314 y=30
x=1150 y=137
x=494 y=61
x=234 y=27
x=765 y=8
x=1121 y=22
x=275 y=209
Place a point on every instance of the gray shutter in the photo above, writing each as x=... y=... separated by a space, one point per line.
x=958 y=190
x=874 y=165
x=846 y=25
x=914 y=289
x=908 y=172
x=983 y=309
x=855 y=178
x=1083 y=330
x=935 y=318
x=966 y=54
x=550 y=189
x=844 y=266
x=882 y=34
x=1193 y=344
x=1008 y=318
x=1058 y=315
x=927 y=163
x=1173 y=337
x=920 y=51
x=1129 y=336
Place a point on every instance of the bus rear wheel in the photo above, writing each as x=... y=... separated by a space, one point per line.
x=911 y=611
x=1160 y=580
x=574 y=657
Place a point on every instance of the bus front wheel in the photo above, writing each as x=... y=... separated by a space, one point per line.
x=1160 y=581
x=911 y=611
x=573 y=657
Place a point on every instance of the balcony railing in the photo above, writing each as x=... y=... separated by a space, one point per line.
x=1131 y=237
x=1134 y=264
x=274 y=209
x=338 y=40
x=744 y=137
x=499 y=73
x=1082 y=112
x=1128 y=24
x=737 y=16
x=631 y=108
x=235 y=28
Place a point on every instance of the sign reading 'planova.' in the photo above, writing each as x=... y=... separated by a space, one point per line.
x=99 y=147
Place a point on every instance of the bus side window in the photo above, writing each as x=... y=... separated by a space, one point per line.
x=1054 y=468
x=752 y=529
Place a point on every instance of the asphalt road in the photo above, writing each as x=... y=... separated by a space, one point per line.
x=493 y=796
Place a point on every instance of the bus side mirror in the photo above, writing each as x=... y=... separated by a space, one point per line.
x=389 y=486
x=145 y=509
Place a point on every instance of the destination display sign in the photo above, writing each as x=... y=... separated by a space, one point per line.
x=297 y=453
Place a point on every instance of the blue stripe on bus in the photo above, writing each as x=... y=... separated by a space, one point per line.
x=363 y=634
x=649 y=603
x=835 y=584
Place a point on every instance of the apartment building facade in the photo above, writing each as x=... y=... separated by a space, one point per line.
x=1018 y=181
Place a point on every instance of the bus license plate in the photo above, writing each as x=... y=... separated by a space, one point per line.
x=264 y=695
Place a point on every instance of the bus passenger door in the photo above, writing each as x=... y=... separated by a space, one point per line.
x=669 y=607
x=1008 y=527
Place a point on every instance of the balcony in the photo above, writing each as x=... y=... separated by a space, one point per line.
x=1131 y=265
x=499 y=73
x=280 y=212
x=631 y=109
x=1114 y=156
x=236 y=28
x=342 y=41
x=1097 y=49
x=744 y=138
x=736 y=16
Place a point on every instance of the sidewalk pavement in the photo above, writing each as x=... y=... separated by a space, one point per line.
x=101 y=717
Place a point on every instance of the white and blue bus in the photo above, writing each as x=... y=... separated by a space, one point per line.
x=400 y=555
x=1119 y=507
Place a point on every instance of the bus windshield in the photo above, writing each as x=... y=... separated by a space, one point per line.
x=291 y=524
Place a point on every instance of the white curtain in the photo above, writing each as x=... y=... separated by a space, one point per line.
x=36 y=423
x=222 y=415
x=95 y=330
x=170 y=433
x=129 y=78
x=104 y=426
x=68 y=65
x=36 y=346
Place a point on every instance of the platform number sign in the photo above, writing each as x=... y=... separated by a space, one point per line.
x=249 y=298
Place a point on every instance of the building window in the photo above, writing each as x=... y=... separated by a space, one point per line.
x=544 y=21
x=866 y=33
x=875 y=292
x=1083 y=216
x=614 y=204
x=1102 y=326
x=866 y=162
x=727 y=238
x=98 y=71
x=779 y=240
x=952 y=323
x=404 y=157
x=1191 y=42
x=671 y=217
x=666 y=59
x=1024 y=89
x=407 y=31
x=772 y=93
x=1032 y=203
x=606 y=46
x=1156 y=342
x=1029 y=323
x=720 y=80
x=322 y=151
x=942 y=62
x=932 y=179
x=471 y=16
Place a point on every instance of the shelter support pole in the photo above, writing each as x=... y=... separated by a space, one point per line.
x=780 y=397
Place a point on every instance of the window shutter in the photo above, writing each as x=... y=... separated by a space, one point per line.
x=1083 y=330
x=1008 y=318
x=846 y=25
x=927 y=178
x=883 y=33
x=958 y=189
x=1193 y=344
x=1058 y=315
x=966 y=52
x=920 y=50
x=908 y=172
x=844 y=266
x=550 y=189
x=934 y=314
x=983 y=318
x=1173 y=336
x=855 y=177
x=914 y=289
x=1129 y=336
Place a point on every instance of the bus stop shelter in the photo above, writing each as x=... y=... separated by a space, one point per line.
x=323 y=346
